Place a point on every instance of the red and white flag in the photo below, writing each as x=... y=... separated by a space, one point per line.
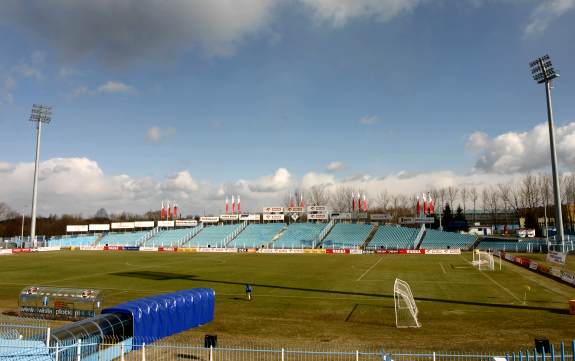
x=301 y=203
x=169 y=211
x=364 y=203
x=418 y=207
x=175 y=210
x=353 y=202
x=431 y=205
x=227 y=205
x=424 y=203
x=163 y=213
x=233 y=204
x=358 y=202
x=239 y=205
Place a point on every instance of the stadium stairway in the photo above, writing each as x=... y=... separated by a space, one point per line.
x=419 y=238
x=98 y=239
x=324 y=232
x=369 y=236
x=235 y=233
x=149 y=235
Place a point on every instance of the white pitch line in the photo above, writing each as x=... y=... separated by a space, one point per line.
x=500 y=286
x=369 y=269
x=442 y=268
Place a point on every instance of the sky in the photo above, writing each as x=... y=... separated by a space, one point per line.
x=193 y=101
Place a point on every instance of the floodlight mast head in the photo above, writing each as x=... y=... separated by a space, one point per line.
x=40 y=114
x=542 y=70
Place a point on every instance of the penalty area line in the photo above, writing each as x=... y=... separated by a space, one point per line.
x=369 y=269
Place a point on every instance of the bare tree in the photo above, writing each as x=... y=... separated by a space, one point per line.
x=452 y=194
x=341 y=199
x=464 y=194
x=318 y=196
x=441 y=193
x=383 y=200
x=474 y=196
x=6 y=212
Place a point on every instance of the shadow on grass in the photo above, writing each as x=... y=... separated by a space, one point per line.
x=167 y=276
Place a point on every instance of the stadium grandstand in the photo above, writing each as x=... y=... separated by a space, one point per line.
x=347 y=235
x=394 y=237
x=434 y=239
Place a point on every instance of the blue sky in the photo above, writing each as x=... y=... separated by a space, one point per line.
x=232 y=92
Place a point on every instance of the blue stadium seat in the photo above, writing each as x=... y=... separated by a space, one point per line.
x=73 y=241
x=434 y=239
x=393 y=237
x=256 y=235
x=212 y=236
x=122 y=239
x=299 y=235
x=347 y=235
x=169 y=238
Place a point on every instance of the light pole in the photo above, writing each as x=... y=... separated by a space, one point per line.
x=40 y=114
x=543 y=73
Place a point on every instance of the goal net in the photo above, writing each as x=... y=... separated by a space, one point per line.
x=405 y=307
x=483 y=260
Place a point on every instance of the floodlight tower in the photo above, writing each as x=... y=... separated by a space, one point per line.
x=543 y=73
x=40 y=114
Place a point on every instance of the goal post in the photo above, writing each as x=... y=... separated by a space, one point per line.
x=483 y=260
x=405 y=308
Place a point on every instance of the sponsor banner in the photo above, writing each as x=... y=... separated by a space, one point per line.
x=186 y=223
x=413 y=220
x=342 y=216
x=317 y=216
x=113 y=248
x=533 y=266
x=273 y=209
x=217 y=250
x=355 y=251
x=568 y=277
x=5 y=251
x=99 y=227
x=553 y=272
x=209 y=219
x=387 y=251
x=131 y=248
x=411 y=251
x=148 y=249
x=315 y=251
x=556 y=257
x=273 y=217
x=294 y=210
x=443 y=251
x=280 y=250
x=250 y=217
x=187 y=249
x=21 y=250
x=252 y=250
x=321 y=209
x=144 y=224
x=337 y=251
x=167 y=249
x=48 y=249
x=380 y=217
x=72 y=228
x=165 y=224
x=91 y=248
x=362 y=216
x=123 y=225
x=242 y=250
x=229 y=217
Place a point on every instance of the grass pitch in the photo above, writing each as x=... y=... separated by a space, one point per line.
x=322 y=301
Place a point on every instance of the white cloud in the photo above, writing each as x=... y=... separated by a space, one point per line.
x=157 y=134
x=545 y=13
x=115 y=87
x=523 y=151
x=335 y=166
x=279 y=181
x=339 y=12
x=317 y=179
x=368 y=120
x=182 y=181
x=125 y=31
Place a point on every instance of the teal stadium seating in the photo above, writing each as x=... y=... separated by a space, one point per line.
x=434 y=239
x=393 y=237
x=513 y=245
x=299 y=235
x=347 y=235
x=169 y=238
x=212 y=236
x=256 y=235
x=76 y=241
x=122 y=239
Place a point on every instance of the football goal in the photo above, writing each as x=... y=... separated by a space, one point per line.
x=483 y=260
x=405 y=307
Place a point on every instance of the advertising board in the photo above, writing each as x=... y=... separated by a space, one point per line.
x=73 y=228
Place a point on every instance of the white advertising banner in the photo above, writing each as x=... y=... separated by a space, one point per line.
x=186 y=223
x=294 y=210
x=343 y=216
x=280 y=250
x=123 y=225
x=148 y=249
x=443 y=251
x=99 y=227
x=217 y=250
x=273 y=217
x=380 y=217
x=229 y=217
x=72 y=228
x=556 y=257
x=317 y=209
x=165 y=223
x=48 y=249
x=209 y=219
x=317 y=216
x=250 y=217
x=273 y=209
x=144 y=224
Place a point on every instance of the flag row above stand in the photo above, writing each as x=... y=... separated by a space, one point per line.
x=428 y=205
x=167 y=213
x=239 y=204
x=357 y=201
